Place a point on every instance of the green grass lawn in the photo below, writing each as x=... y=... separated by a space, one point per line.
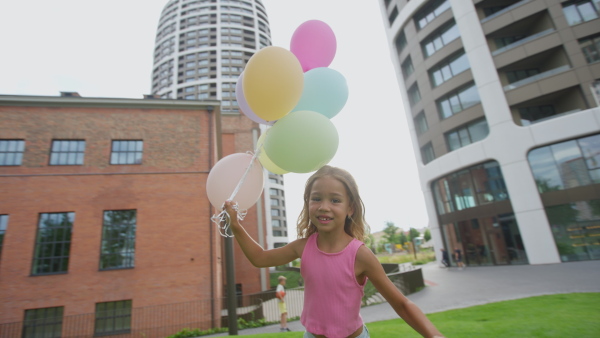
x=564 y=315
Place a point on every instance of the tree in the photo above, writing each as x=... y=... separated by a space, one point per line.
x=413 y=233
x=427 y=235
x=402 y=237
x=391 y=235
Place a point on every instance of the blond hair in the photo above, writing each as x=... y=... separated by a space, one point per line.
x=355 y=225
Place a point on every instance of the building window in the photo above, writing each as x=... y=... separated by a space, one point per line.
x=507 y=40
x=519 y=75
x=591 y=48
x=118 y=240
x=273 y=192
x=126 y=152
x=414 y=96
x=430 y=12
x=421 y=123
x=567 y=164
x=449 y=68
x=530 y=115
x=466 y=135
x=275 y=223
x=401 y=42
x=274 y=201
x=46 y=322
x=277 y=233
x=67 y=152
x=427 y=154
x=407 y=67
x=53 y=243
x=113 y=318
x=478 y=185
x=3 y=226
x=393 y=15
x=440 y=38
x=579 y=11
x=11 y=152
x=458 y=101
x=275 y=212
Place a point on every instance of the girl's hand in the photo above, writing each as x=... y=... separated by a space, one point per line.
x=232 y=212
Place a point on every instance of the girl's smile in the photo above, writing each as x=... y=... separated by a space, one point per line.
x=329 y=204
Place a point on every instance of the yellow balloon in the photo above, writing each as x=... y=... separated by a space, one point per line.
x=266 y=161
x=273 y=82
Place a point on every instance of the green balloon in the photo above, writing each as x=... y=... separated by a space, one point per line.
x=301 y=141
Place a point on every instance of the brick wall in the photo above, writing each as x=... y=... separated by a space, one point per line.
x=178 y=256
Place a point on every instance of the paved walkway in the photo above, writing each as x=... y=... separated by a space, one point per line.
x=452 y=288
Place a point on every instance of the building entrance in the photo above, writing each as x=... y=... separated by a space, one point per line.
x=485 y=241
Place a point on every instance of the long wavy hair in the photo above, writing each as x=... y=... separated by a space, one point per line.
x=355 y=225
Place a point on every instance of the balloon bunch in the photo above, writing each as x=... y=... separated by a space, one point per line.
x=295 y=94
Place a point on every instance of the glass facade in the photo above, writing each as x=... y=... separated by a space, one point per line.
x=567 y=171
x=493 y=240
x=576 y=229
x=479 y=185
x=484 y=234
x=567 y=164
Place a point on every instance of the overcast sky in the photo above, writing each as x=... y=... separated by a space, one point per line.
x=105 y=49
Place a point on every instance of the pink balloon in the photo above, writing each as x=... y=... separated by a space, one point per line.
x=314 y=44
x=225 y=176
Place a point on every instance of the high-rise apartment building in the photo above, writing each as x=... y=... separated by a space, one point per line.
x=501 y=97
x=202 y=47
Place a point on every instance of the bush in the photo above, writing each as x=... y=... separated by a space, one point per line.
x=422 y=258
x=189 y=333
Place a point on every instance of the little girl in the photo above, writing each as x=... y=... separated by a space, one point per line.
x=335 y=262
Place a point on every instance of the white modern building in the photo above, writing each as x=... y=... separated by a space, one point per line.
x=502 y=102
x=201 y=48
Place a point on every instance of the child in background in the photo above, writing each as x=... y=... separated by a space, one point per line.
x=280 y=294
x=335 y=262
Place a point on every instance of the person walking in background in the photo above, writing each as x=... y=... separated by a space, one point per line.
x=459 y=259
x=335 y=262
x=445 y=258
x=280 y=294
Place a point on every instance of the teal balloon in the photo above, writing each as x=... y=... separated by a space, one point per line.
x=301 y=142
x=325 y=91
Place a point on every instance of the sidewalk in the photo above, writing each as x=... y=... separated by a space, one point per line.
x=450 y=288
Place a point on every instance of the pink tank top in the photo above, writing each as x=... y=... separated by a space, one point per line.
x=332 y=296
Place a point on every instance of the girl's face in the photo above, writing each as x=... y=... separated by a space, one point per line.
x=329 y=204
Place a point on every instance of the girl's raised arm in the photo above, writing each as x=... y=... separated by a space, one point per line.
x=258 y=256
x=367 y=263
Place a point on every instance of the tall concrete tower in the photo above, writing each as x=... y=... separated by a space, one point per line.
x=502 y=100
x=201 y=48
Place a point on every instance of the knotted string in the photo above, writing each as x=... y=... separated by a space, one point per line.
x=223 y=219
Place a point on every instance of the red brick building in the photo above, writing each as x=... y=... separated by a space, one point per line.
x=104 y=218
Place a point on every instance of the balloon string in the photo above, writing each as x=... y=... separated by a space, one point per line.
x=223 y=219
x=254 y=157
